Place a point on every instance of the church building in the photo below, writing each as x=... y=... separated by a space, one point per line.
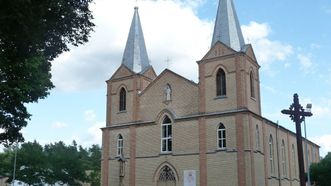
x=165 y=130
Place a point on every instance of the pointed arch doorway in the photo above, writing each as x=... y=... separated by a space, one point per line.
x=166 y=177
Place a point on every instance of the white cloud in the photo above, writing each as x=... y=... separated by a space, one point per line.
x=90 y=115
x=266 y=50
x=306 y=65
x=325 y=142
x=322 y=112
x=59 y=125
x=287 y=65
x=315 y=46
x=94 y=135
x=321 y=108
x=255 y=31
x=171 y=29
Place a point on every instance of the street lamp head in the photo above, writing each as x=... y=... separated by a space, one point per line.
x=308 y=107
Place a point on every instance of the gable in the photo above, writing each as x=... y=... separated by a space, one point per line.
x=250 y=52
x=219 y=49
x=150 y=73
x=168 y=74
x=122 y=71
x=183 y=99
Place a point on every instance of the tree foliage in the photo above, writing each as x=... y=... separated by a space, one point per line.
x=52 y=164
x=32 y=34
x=321 y=172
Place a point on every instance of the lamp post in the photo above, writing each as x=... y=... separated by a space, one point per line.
x=298 y=114
x=14 y=170
x=308 y=109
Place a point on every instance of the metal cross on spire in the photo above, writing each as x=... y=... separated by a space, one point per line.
x=298 y=114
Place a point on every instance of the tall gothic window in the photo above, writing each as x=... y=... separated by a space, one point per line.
x=251 y=82
x=122 y=99
x=220 y=83
x=221 y=135
x=166 y=136
x=167 y=176
x=271 y=155
x=257 y=137
x=294 y=161
x=119 y=145
x=283 y=158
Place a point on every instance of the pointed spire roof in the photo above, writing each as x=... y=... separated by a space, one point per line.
x=135 y=54
x=227 y=28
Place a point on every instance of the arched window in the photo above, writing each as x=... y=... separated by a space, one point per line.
x=122 y=99
x=283 y=158
x=220 y=83
x=166 y=135
x=167 y=176
x=294 y=160
x=271 y=155
x=221 y=135
x=257 y=137
x=119 y=145
x=251 y=82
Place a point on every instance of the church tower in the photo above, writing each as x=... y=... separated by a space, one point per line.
x=134 y=74
x=123 y=88
x=229 y=72
x=229 y=89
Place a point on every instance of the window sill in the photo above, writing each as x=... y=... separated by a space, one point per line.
x=121 y=112
x=166 y=153
x=253 y=98
x=220 y=97
x=221 y=149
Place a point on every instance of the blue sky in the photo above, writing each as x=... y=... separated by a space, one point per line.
x=291 y=40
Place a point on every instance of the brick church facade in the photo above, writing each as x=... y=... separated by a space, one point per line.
x=167 y=130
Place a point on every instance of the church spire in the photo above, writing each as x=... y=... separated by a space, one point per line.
x=227 y=28
x=135 y=54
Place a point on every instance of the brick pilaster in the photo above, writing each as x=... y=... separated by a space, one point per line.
x=105 y=156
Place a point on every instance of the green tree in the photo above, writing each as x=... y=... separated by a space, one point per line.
x=32 y=34
x=31 y=165
x=6 y=162
x=53 y=164
x=95 y=165
x=66 y=165
x=321 y=172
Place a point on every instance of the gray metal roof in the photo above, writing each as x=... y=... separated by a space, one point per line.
x=135 y=54
x=227 y=28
